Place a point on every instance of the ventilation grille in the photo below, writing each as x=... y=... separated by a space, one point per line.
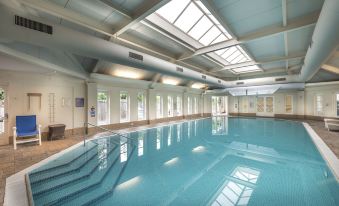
x=219 y=81
x=30 y=24
x=179 y=69
x=238 y=83
x=280 y=79
x=203 y=76
x=136 y=56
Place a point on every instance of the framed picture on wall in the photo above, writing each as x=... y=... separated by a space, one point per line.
x=79 y=102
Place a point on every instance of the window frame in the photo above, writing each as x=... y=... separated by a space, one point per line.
x=189 y=106
x=179 y=106
x=161 y=109
x=316 y=111
x=128 y=118
x=291 y=112
x=144 y=104
x=107 y=121
x=170 y=112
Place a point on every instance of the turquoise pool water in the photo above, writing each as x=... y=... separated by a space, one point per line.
x=214 y=161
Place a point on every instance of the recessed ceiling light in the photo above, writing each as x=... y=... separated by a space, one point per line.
x=127 y=74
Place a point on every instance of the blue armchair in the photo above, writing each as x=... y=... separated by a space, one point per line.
x=26 y=127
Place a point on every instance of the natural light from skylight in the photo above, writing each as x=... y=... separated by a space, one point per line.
x=193 y=18
x=247 y=69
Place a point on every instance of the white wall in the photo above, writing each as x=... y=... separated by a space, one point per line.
x=303 y=101
x=133 y=87
x=66 y=89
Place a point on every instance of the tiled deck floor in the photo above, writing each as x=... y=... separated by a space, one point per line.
x=13 y=161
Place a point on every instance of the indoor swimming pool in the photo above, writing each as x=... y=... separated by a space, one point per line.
x=213 y=161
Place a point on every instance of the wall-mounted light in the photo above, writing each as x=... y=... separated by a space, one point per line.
x=198 y=85
x=170 y=81
x=127 y=74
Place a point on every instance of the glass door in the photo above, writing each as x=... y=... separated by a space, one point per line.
x=3 y=116
x=265 y=106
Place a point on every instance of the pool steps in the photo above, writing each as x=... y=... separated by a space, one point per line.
x=94 y=197
x=63 y=194
x=76 y=166
x=33 y=174
x=75 y=192
x=69 y=179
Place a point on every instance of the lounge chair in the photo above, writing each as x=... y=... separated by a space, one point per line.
x=26 y=130
x=333 y=126
x=332 y=121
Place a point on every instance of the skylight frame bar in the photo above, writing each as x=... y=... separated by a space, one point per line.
x=215 y=38
x=243 y=51
x=236 y=49
x=236 y=57
x=193 y=1
x=206 y=33
x=225 y=51
x=195 y=24
x=181 y=13
x=241 y=60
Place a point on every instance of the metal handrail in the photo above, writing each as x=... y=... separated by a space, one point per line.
x=108 y=130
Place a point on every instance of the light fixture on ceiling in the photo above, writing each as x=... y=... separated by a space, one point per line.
x=170 y=81
x=127 y=74
x=198 y=85
x=330 y=68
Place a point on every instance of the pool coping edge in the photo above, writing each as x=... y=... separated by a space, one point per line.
x=327 y=154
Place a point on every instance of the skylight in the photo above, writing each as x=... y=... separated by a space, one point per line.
x=193 y=18
x=253 y=68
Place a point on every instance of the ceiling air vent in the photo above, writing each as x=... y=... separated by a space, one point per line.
x=179 y=69
x=280 y=79
x=30 y=24
x=238 y=83
x=203 y=76
x=136 y=56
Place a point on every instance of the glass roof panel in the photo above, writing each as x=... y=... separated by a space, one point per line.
x=220 y=52
x=252 y=68
x=173 y=9
x=238 y=59
x=192 y=17
x=188 y=18
x=233 y=56
x=200 y=28
x=220 y=38
x=229 y=52
x=213 y=33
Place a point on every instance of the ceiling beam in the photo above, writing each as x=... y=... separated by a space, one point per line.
x=155 y=79
x=169 y=28
x=43 y=63
x=61 y=12
x=140 y=13
x=330 y=68
x=284 y=18
x=117 y=8
x=295 y=24
x=263 y=61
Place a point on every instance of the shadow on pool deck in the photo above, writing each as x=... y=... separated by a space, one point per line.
x=13 y=161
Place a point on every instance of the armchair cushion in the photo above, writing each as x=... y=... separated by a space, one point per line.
x=26 y=125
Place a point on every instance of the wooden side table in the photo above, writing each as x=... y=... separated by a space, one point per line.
x=56 y=131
